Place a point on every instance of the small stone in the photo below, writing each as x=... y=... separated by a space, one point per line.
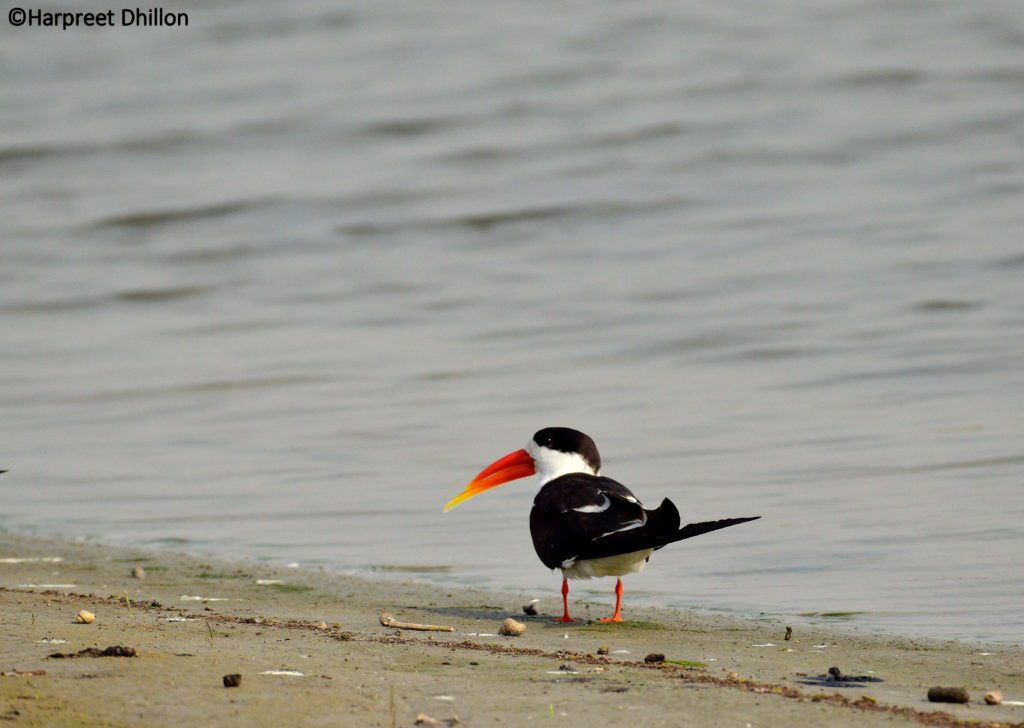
x=654 y=658
x=602 y=650
x=321 y=625
x=139 y=573
x=941 y=694
x=734 y=676
x=85 y=617
x=511 y=628
x=530 y=609
x=233 y=680
x=993 y=697
x=789 y=633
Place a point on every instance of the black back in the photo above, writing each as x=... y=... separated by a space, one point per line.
x=560 y=531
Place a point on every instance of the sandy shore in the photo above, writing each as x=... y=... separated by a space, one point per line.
x=192 y=622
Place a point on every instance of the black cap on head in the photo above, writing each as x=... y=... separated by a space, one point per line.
x=566 y=439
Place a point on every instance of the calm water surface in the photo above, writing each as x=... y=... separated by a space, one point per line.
x=278 y=284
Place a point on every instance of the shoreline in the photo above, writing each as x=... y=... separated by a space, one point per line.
x=193 y=620
x=598 y=600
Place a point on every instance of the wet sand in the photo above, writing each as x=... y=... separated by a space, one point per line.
x=193 y=621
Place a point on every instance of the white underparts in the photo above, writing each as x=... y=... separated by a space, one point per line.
x=619 y=565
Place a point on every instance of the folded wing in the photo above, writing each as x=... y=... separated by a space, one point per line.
x=580 y=516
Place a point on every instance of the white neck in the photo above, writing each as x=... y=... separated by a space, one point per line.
x=551 y=464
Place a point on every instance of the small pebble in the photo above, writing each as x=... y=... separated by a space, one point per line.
x=602 y=650
x=233 y=680
x=993 y=697
x=654 y=658
x=85 y=617
x=139 y=573
x=511 y=628
x=530 y=609
x=941 y=694
x=321 y=625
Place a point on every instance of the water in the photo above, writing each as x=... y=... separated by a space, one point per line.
x=278 y=284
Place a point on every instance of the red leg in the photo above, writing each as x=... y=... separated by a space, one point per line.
x=565 y=602
x=617 y=617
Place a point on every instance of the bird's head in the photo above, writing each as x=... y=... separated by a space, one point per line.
x=550 y=453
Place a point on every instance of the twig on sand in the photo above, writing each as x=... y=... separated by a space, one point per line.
x=128 y=601
x=388 y=621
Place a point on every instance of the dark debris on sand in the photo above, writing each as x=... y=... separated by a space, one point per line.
x=112 y=651
x=836 y=678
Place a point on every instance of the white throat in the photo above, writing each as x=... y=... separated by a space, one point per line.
x=551 y=464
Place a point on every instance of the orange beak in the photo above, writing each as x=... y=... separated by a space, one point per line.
x=513 y=466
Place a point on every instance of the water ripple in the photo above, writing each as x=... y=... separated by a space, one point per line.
x=158 y=218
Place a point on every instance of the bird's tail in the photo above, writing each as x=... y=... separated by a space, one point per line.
x=663 y=524
x=696 y=529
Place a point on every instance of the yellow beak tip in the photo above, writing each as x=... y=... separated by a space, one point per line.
x=452 y=503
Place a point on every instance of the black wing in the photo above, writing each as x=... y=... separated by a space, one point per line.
x=574 y=511
x=652 y=537
x=580 y=516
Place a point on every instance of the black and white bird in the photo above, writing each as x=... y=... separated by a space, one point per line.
x=583 y=523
